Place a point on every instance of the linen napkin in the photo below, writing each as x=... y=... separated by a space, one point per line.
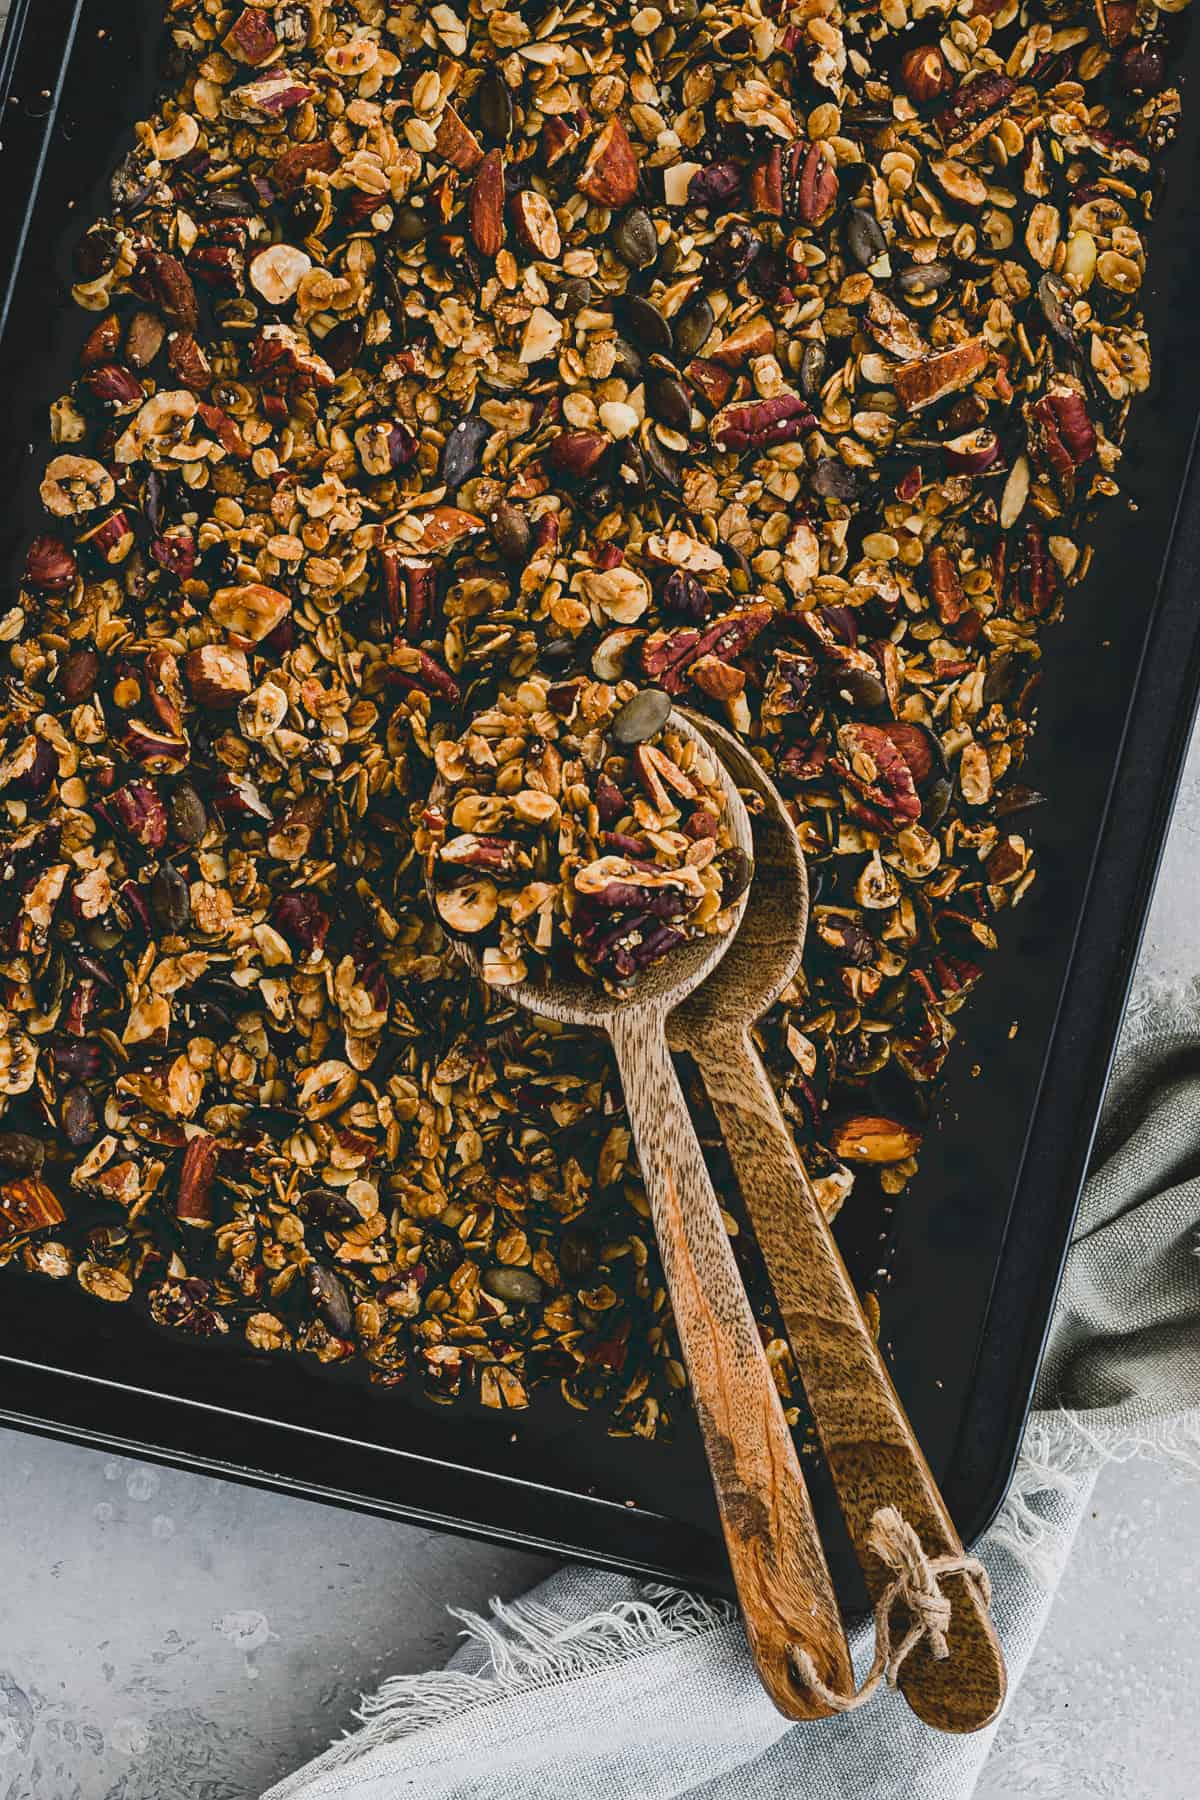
x=600 y=1687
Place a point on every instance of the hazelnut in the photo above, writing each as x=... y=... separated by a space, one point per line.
x=276 y=273
x=217 y=676
x=251 y=611
x=925 y=73
x=50 y=565
x=610 y=174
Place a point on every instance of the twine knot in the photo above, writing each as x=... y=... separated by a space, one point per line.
x=916 y=1586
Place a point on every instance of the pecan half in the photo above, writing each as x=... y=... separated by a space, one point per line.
x=758 y=425
x=878 y=772
x=668 y=656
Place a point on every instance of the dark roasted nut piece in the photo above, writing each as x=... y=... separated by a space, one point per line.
x=485 y=206
x=974 y=109
x=1061 y=434
x=77 y=673
x=170 y=287
x=810 y=183
x=197 y=1174
x=80 y=1126
x=535 y=226
x=331 y=1300
x=717 y=185
x=931 y=378
x=251 y=611
x=138 y=809
x=753 y=337
x=877 y=770
x=577 y=453
x=118 y=389
x=457 y=144
x=189 y=365
x=610 y=174
x=868 y=1138
x=25 y=1206
x=1116 y=19
x=218 y=677
x=21 y=1154
x=925 y=73
x=143 y=340
x=50 y=566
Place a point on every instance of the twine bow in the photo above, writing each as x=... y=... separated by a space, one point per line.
x=916 y=1586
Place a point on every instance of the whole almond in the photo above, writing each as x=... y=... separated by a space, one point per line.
x=610 y=174
x=485 y=206
x=535 y=225
x=50 y=565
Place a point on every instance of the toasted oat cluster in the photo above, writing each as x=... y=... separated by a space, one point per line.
x=769 y=356
x=578 y=817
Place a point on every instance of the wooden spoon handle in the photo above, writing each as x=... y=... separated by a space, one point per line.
x=870 y=1447
x=778 y=1563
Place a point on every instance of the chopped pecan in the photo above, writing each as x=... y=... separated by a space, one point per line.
x=170 y=286
x=1061 y=435
x=931 y=378
x=878 y=772
x=668 y=656
x=26 y=1206
x=945 y=588
x=974 y=108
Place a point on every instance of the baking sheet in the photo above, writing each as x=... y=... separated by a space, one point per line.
x=965 y=1263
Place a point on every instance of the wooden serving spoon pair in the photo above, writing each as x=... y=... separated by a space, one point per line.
x=774 y=1547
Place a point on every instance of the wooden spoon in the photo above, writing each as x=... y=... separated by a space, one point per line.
x=779 y=1567
x=870 y=1447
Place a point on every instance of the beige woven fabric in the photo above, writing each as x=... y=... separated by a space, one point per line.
x=596 y=1687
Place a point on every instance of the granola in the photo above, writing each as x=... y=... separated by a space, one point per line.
x=578 y=818
x=767 y=355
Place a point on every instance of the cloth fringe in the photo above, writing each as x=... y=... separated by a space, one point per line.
x=1057 y=1454
x=526 y=1646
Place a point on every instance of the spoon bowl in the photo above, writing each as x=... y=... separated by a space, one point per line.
x=568 y=996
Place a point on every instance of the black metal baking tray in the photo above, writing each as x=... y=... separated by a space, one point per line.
x=971 y=1254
